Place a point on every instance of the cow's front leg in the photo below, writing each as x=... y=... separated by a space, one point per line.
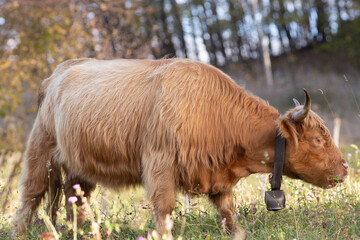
x=224 y=204
x=164 y=203
x=160 y=186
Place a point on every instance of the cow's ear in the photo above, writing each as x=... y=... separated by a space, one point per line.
x=288 y=130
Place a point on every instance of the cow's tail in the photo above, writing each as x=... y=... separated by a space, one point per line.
x=41 y=97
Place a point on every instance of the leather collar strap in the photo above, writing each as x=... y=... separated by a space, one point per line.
x=280 y=144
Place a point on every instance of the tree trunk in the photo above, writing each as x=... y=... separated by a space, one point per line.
x=150 y=21
x=322 y=23
x=218 y=29
x=206 y=29
x=178 y=26
x=167 y=44
x=306 y=22
x=236 y=15
x=284 y=25
x=338 y=11
x=263 y=47
x=192 y=25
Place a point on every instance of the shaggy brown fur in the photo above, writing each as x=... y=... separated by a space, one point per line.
x=167 y=124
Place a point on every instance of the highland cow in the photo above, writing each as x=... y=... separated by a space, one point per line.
x=171 y=124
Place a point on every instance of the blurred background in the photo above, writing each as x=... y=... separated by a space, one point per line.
x=274 y=48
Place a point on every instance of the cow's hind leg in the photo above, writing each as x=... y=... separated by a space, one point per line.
x=54 y=191
x=224 y=204
x=86 y=187
x=34 y=180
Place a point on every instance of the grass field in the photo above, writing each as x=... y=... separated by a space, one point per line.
x=311 y=212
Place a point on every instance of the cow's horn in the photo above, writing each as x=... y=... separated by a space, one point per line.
x=296 y=102
x=300 y=115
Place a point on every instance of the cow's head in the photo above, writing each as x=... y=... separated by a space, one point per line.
x=311 y=152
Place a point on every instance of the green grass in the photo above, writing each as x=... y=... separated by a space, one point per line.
x=311 y=212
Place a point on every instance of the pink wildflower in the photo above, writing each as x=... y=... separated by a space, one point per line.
x=72 y=199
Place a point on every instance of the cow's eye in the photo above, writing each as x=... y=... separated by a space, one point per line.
x=319 y=140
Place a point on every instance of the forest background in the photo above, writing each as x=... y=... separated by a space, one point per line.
x=273 y=48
